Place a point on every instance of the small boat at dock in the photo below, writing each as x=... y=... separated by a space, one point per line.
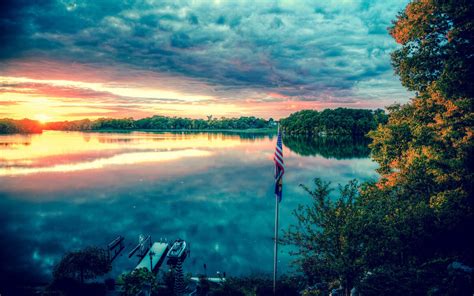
x=178 y=251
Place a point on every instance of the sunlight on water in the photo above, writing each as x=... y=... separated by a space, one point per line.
x=27 y=149
x=67 y=152
x=61 y=191
x=121 y=159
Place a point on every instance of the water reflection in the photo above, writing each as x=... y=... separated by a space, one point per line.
x=122 y=159
x=67 y=190
x=80 y=151
x=329 y=147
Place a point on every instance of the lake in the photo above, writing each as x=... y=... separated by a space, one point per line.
x=61 y=191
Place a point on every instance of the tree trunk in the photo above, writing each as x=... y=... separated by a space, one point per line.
x=348 y=284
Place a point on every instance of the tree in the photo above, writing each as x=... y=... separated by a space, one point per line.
x=156 y=122
x=134 y=282
x=256 y=285
x=23 y=126
x=413 y=225
x=425 y=151
x=335 y=122
x=437 y=38
x=326 y=237
x=84 y=264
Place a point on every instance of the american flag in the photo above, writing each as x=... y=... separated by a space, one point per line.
x=279 y=167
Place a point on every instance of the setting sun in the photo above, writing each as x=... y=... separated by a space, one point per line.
x=42 y=118
x=295 y=147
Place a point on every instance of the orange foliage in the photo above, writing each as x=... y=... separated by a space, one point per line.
x=416 y=13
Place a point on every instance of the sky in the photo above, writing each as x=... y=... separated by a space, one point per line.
x=67 y=60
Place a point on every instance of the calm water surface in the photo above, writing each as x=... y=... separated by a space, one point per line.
x=61 y=191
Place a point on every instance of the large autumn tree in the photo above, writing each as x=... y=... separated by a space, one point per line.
x=425 y=196
x=424 y=199
x=437 y=48
x=410 y=232
x=425 y=151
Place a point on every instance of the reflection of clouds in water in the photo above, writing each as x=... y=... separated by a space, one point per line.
x=65 y=144
x=222 y=204
x=120 y=159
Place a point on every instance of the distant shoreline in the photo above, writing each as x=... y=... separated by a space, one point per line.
x=236 y=131
x=249 y=131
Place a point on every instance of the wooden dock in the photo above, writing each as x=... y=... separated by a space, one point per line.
x=154 y=257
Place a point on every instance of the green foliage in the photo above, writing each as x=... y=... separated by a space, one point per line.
x=84 y=264
x=76 y=125
x=409 y=228
x=329 y=147
x=431 y=279
x=389 y=281
x=168 y=279
x=162 y=123
x=327 y=241
x=134 y=282
x=24 y=126
x=340 y=122
x=425 y=150
x=437 y=44
x=256 y=286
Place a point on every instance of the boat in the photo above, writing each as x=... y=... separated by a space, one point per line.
x=178 y=251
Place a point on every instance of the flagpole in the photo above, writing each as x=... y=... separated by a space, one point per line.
x=279 y=170
x=275 y=248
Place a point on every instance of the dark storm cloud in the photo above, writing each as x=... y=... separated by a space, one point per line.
x=307 y=50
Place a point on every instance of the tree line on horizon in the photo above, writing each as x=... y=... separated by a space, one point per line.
x=22 y=126
x=159 y=122
x=340 y=121
x=329 y=122
x=410 y=231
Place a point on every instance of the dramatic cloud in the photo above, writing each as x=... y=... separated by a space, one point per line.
x=250 y=54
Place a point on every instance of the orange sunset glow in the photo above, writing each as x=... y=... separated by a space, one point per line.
x=236 y=147
x=78 y=91
x=225 y=70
